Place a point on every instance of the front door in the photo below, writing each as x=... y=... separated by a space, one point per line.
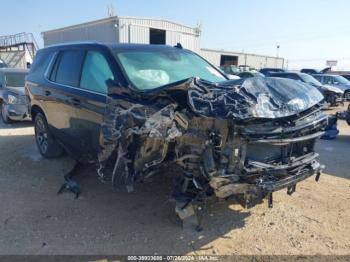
x=95 y=76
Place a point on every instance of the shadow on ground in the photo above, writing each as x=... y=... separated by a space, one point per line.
x=334 y=154
x=35 y=220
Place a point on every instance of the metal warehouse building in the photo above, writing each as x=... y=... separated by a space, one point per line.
x=221 y=57
x=118 y=29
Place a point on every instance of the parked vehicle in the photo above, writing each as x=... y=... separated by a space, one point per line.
x=231 y=71
x=347 y=76
x=138 y=109
x=14 y=105
x=333 y=95
x=249 y=74
x=337 y=81
x=310 y=71
x=269 y=71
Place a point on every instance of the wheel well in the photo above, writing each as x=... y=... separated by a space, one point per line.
x=34 y=110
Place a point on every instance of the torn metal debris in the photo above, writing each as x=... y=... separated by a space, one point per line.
x=237 y=138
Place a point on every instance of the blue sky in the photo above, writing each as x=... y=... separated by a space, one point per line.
x=308 y=32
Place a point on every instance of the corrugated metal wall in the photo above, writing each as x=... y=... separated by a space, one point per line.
x=137 y=30
x=252 y=60
x=103 y=31
x=175 y=33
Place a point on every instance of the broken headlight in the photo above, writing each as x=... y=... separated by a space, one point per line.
x=12 y=99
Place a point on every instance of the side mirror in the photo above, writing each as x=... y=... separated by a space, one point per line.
x=336 y=83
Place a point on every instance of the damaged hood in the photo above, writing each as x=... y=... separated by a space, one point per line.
x=332 y=89
x=252 y=98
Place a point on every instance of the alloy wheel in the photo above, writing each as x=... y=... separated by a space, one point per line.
x=41 y=135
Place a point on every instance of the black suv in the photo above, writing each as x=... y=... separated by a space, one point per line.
x=137 y=109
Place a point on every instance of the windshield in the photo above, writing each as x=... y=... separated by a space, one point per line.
x=151 y=69
x=341 y=80
x=310 y=79
x=15 y=79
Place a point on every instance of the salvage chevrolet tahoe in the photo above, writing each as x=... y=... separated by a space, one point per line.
x=137 y=109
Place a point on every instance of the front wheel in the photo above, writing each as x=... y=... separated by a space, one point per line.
x=4 y=114
x=47 y=145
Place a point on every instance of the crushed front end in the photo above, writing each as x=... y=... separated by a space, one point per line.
x=240 y=138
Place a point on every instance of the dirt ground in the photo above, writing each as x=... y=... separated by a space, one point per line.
x=35 y=220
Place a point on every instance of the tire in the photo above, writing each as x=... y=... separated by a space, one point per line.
x=347 y=95
x=45 y=141
x=4 y=116
x=333 y=100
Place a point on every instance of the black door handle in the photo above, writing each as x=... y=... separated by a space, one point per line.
x=47 y=93
x=75 y=101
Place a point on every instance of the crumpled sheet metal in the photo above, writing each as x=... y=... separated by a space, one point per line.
x=248 y=99
x=258 y=97
x=124 y=118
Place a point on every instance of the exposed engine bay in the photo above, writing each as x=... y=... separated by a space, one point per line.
x=240 y=138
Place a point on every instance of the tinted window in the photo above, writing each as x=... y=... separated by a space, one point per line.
x=96 y=72
x=41 y=62
x=15 y=79
x=67 y=68
x=328 y=80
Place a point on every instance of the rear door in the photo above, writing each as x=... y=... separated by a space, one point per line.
x=62 y=96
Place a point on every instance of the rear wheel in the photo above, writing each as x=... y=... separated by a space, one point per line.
x=47 y=145
x=4 y=114
x=347 y=95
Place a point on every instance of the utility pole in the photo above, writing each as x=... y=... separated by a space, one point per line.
x=277 y=54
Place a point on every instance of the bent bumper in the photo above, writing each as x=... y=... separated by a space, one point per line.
x=261 y=179
x=17 y=112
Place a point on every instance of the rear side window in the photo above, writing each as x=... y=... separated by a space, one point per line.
x=68 y=67
x=96 y=72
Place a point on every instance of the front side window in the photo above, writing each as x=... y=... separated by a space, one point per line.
x=15 y=79
x=152 y=69
x=67 y=68
x=96 y=72
x=310 y=79
x=341 y=80
x=328 y=80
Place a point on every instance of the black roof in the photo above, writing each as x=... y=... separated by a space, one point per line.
x=287 y=73
x=118 y=47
